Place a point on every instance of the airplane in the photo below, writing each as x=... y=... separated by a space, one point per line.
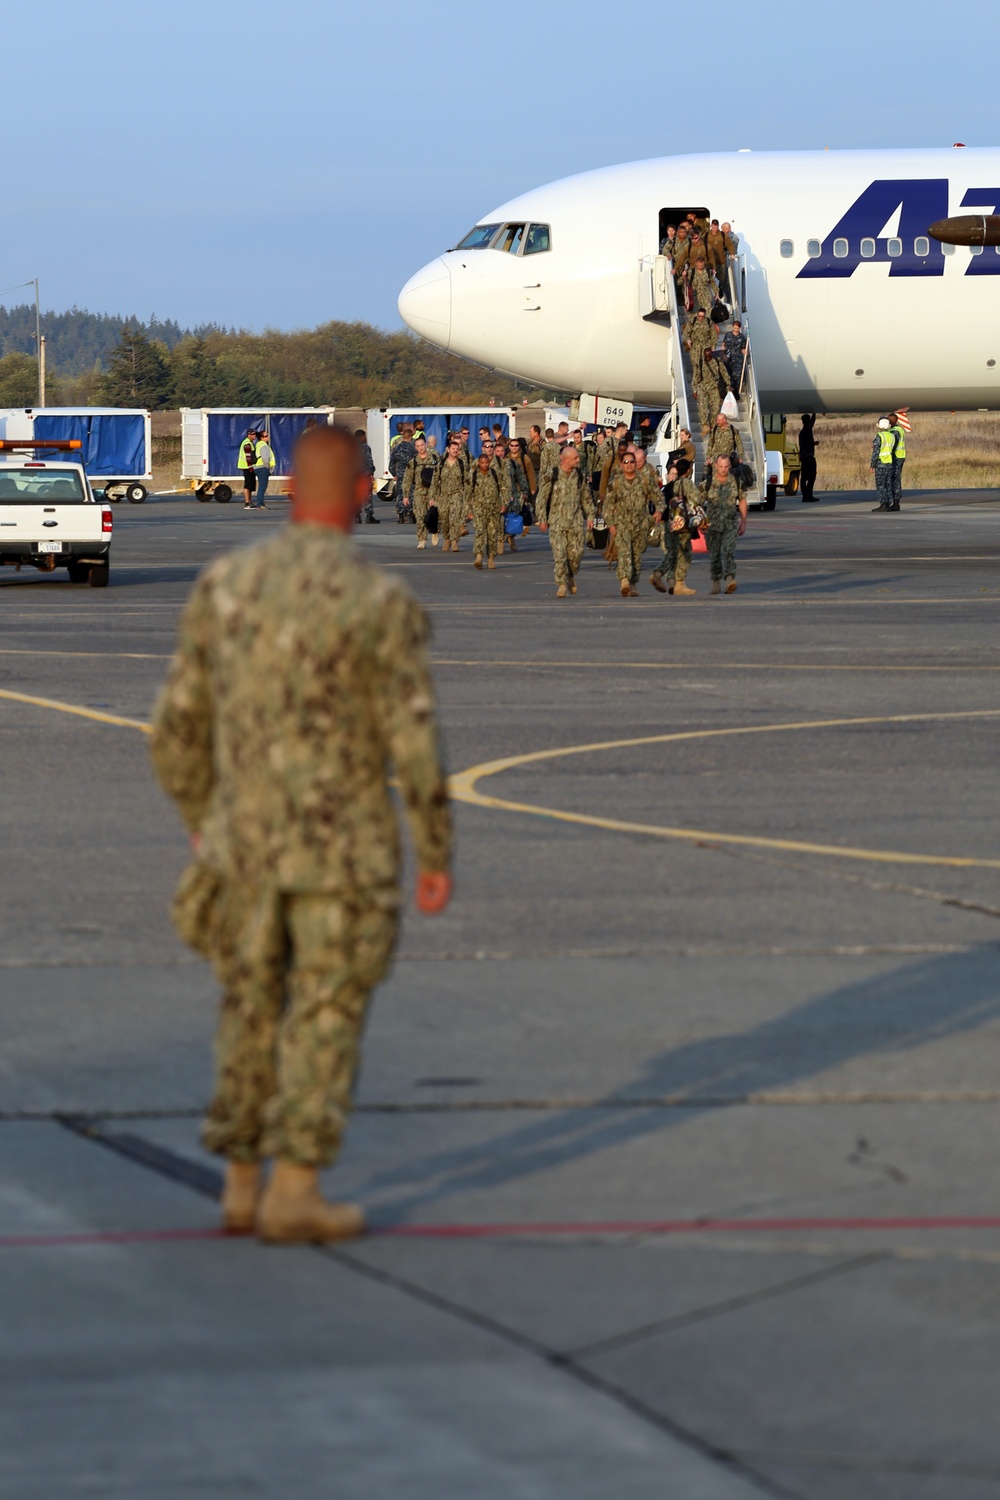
x=850 y=302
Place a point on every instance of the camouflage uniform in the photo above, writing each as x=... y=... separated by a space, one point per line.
x=722 y=507
x=565 y=503
x=300 y=672
x=701 y=335
x=448 y=494
x=724 y=442
x=417 y=482
x=703 y=287
x=710 y=398
x=549 y=459
x=677 y=544
x=715 y=252
x=733 y=345
x=400 y=458
x=368 y=467
x=627 y=510
x=484 y=496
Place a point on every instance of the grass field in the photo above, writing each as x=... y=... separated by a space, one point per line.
x=945 y=451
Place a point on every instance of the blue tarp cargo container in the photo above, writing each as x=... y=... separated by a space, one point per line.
x=211 y=438
x=438 y=421
x=114 y=443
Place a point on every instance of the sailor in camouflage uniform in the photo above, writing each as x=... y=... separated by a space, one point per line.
x=448 y=494
x=681 y=505
x=484 y=497
x=699 y=335
x=565 y=509
x=418 y=479
x=300 y=673
x=733 y=354
x=626 y=511
x=726 y=511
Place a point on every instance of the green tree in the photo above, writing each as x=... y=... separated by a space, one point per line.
x=18 y=380
x=139 y=372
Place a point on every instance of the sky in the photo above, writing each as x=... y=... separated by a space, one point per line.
x=264 y=165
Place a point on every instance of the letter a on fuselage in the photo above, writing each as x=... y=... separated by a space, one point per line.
x=920 y=202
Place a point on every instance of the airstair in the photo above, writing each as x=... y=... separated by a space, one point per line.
x=664 y=309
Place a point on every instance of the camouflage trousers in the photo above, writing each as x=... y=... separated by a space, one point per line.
x=296 y=972
x=421 y=502
x=567 y=552
x=451 y=518
x=676 y=555
x=488 y=522
x=631 y=544
x=709 y=403
x=721 y=537
x=885 y=484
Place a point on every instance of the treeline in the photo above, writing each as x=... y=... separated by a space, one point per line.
x=337 y=364
x=76 y=341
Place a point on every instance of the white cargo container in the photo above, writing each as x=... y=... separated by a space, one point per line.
x=115 y=443
x=438 y=422
x=211 y=438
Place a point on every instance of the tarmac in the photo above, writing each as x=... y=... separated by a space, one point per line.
x=677 y=1131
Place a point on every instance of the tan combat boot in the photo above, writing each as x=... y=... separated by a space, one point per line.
x=716 y=586
x=421 y=546
x=730 y=585
x=294 y=1212
x=491 y=563
x=561 y=591
x=240 y=1192
x=572 y=585
x=435 y=538
x=633 y=592
x=624 y=590
x=479 y=560
x=657 y=581
x=682 y=588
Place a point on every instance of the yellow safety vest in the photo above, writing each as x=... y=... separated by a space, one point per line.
x=901 y=444
x=886 y=443
x=243 y=462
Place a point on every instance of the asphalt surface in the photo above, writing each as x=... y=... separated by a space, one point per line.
x=680 y=1146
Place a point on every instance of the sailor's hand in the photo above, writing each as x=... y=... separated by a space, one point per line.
x=433 y=891
x=543 y=525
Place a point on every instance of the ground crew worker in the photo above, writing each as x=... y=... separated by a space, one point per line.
x=899 y=460
x=807 y=456
x=565 y=511
x=678 y=517
x=484 y=498
x=627 y=514
x=300 y=673
x=245 y=461
x=699 y=335
x=448 y=494
x=882 y=461
x=725 y=508
x=417 y=480
x=263 y=463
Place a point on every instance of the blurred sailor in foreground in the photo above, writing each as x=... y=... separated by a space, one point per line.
x=300 y=674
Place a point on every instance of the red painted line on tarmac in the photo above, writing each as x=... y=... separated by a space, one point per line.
x=609 y=1228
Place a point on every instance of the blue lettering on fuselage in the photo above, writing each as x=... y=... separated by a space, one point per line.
x=920 y=201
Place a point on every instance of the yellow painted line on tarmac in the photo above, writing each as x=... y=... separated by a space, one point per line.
x=75 y=708
x=123 y=655
x=463 y=788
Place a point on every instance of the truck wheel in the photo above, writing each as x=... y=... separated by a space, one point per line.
x=77 y=572
x=135 y=494
x=204 y=493
x=770 y=497
x=99 y=575
x=792 y=487
x=223 y=494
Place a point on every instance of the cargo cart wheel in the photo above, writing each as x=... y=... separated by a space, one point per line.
x=99 y=575
x=223 y=494
x=770 y=497
x=204 y=493
x=135 y=494
x=77 y=572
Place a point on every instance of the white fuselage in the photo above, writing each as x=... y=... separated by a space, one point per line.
x=895 y=319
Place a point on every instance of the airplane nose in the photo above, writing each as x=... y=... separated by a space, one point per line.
x=425 y=303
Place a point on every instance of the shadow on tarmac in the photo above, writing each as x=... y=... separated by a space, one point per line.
x=887 y=1013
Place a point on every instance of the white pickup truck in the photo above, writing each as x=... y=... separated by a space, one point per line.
x=49 y=517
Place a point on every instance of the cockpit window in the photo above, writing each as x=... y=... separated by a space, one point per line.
x=537 y=240
x=478 y=238
x=510 y=239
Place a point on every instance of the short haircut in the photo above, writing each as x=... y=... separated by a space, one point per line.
x=360 y=434
x=550 y=432
x=338 y=440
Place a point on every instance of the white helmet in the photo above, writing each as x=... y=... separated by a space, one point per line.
x=883 y=424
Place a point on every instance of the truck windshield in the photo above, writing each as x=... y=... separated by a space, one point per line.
x=41 y=487
x=478 y=238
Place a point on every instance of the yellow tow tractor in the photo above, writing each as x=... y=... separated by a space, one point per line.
x=776 y=440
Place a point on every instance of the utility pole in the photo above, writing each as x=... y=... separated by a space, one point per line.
x=38 y=347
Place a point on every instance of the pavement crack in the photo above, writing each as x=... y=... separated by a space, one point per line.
x=144 y=1153
x=721 y=1309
